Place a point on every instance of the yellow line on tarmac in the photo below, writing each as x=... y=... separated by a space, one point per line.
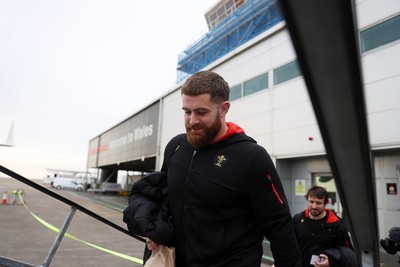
x=55 y=229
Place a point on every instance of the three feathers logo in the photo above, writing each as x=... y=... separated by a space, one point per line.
x=220 y=161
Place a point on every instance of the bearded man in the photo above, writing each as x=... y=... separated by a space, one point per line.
x=224 y=192
x=320 y=232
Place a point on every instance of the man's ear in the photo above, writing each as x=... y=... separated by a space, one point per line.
x=225 y=108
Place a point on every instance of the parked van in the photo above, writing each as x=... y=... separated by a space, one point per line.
x=81 y=177
x=70 y=183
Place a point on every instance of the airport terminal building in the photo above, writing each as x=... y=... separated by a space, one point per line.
x=249 y=45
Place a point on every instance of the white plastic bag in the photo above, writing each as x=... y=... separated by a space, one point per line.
x=163 y=257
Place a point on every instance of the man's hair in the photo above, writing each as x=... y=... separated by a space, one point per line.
x=318 y=192
x=206 y=82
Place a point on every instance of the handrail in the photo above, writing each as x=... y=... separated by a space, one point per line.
x=66 y=223
x=67 y=201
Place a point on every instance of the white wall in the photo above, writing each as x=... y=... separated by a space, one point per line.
x=381 y=73
x=172 y=122
x=281 y=118
x=382 y=91
x=370 y=12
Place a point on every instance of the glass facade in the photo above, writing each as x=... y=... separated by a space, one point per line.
x=286 y=72
x=256 y=84
x=380 y=34
x=235 y=92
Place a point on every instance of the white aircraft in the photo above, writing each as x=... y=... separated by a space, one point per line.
x=10 y=138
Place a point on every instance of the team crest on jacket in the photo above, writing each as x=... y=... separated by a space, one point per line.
x=220 y=161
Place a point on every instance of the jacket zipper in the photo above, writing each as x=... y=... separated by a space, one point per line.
x=185 y=200
x=187 y=176
x=274 y=189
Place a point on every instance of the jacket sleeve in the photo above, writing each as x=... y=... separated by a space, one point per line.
x=270 y=206
x=343 y=235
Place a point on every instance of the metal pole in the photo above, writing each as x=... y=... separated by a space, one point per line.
x=59 y=237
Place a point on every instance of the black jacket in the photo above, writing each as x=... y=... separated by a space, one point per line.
x=148 y=214
x=330 y=233
x=342 y=257
x=224 y=199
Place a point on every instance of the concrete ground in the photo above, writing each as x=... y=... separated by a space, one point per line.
x=24 y=238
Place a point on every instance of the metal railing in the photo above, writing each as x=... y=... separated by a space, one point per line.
x=6 y=262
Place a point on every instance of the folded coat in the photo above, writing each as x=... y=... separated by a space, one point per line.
x=148 y=214
x=342 y=257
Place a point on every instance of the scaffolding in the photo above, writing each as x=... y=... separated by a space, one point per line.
x=245 y=23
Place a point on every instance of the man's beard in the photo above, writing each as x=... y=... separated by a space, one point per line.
x=206 y=136
x=316 y=212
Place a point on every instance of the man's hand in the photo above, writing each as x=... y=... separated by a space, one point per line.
x=324 y=261
x=151 y=245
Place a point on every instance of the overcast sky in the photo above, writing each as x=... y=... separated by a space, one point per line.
x=71 y=69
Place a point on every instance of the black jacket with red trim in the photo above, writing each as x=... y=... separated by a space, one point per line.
x=317 y=236
x=224 y=199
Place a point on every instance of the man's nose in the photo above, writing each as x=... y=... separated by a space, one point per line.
x=193 y=119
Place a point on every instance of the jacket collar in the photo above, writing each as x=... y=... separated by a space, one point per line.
x=331 y=216
x=232 y=130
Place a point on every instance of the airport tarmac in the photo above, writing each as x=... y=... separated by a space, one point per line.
x=26 y=235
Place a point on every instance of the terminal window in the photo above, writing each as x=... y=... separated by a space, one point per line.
x=286 y=72
x=235 y=92
x=256 y=84
x=380 y=34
